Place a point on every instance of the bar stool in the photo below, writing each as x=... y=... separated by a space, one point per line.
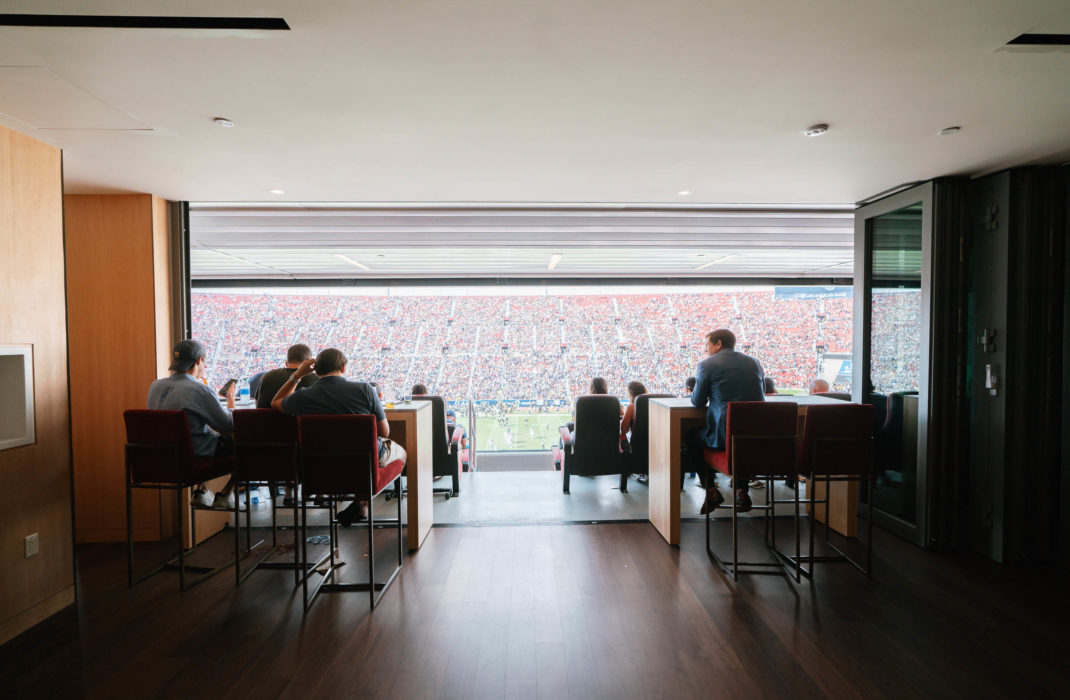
x=159 y=456
x=265 y=453
x=340 y=460
x=837 y=444
x=759 y=442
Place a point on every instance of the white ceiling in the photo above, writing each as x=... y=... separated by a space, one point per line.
x=336 y=241
x=552 y=101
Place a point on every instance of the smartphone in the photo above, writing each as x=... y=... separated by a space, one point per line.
x=226 y=387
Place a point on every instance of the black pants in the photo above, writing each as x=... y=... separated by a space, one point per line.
x=696 y=444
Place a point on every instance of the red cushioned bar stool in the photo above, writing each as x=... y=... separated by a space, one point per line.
x=759 y=443
x=159 y=456
x=339 y=457
x=836 y=445
x=265 y=454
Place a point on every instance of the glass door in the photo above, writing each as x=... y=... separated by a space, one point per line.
x=893 y=247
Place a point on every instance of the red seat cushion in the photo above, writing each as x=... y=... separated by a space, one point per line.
x=718 y=459
x=384 y=476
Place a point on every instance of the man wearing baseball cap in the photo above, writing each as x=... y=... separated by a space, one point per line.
x=210 y=426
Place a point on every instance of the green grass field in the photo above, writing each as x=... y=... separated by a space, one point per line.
x=521 y=431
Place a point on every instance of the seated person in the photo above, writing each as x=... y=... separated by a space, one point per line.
x=818 y=386
x=635 y=390
x=272 y=381
x=454 y=426
x=598 y=386
x=420 y=389
x=723 y=377
x=211 y=427
x=770 y=386
x=689 y=386
x=333 y=394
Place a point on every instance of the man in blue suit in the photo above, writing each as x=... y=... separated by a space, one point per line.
x=723 y=377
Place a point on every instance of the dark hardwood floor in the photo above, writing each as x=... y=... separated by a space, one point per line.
x=601 y=611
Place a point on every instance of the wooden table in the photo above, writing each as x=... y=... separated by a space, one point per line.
x=670 y=419
x=410 y=426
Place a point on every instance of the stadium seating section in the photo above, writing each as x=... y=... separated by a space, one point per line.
x=541 y=347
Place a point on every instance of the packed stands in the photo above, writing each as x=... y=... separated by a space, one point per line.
x=548 y=347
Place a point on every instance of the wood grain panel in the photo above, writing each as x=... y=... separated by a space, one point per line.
x=110 y=289
x=410 y=426
x=36 y=493
x=119 y=296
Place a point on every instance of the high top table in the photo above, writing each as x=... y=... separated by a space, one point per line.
x=410 y=427
x=670 y=419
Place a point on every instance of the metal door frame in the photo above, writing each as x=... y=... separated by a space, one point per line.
x=917 y=531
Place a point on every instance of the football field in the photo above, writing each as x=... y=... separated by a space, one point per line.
x=521 y=431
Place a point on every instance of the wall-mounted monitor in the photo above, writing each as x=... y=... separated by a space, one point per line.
x=16 y=399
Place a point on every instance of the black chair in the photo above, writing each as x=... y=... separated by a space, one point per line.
x=838 y=395
x=159 y=455
x=595 y=451
x=265 y=453
x=445 y=447
x=340 y=460
x=837 y=444
x=637 y=457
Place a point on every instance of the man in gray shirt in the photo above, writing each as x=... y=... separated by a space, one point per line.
x=333 y=394
x=723 y=377
x=210 y=425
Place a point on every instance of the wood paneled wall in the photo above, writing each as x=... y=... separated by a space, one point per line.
x=36 y=496
x=118 y=288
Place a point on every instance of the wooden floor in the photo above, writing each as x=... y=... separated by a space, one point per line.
x=600 y=611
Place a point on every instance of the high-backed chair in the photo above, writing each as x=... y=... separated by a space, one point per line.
x=838 y=395
x=595 y=449
x=340 y=460
x=159 y=455
x=889 y=437
x=837 y=445
x=445 y=446
x=637 y=457
x=759 y=442
x=265 y=453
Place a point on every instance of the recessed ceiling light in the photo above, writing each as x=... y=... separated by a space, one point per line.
x=225 y=123
x=684 y=193
x=276 y=190
x=554 y=259
x=351 y=261
x=815 y=130
x=947 y=131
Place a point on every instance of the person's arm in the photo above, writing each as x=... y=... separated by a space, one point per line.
x=291 y=384
x=626 y=421
x=218 y=419
x=382 y=424
x=700 y=395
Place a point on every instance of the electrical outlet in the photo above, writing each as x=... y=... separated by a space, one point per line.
x=30 y=541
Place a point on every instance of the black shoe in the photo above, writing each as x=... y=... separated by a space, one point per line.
x=790 y=482
x=713 y=499
x=743 y=502
x=355 y=513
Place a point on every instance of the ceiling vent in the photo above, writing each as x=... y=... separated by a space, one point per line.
x=142 y=22
x=1038 y=43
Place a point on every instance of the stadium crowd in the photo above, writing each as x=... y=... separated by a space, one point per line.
x=544 y=347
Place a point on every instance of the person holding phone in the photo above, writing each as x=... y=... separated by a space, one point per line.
x=211 y=427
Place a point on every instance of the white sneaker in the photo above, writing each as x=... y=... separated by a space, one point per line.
x=203 y=498
x=227 y=501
